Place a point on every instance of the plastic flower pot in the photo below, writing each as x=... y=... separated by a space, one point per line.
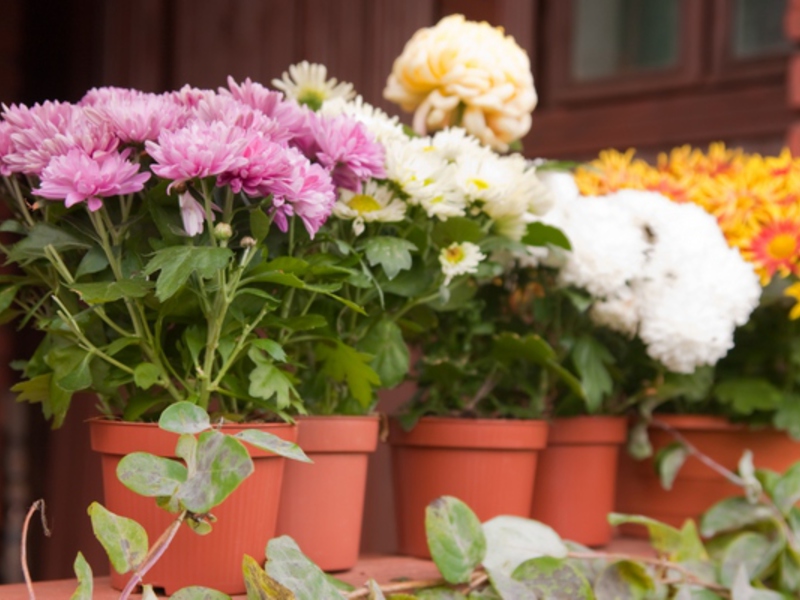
x=581 y=455
x=245 y=521
x=322 y=504
x=488 y=463
x=697 y=487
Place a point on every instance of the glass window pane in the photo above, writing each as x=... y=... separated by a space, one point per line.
x=617 y=37
x=758 y=28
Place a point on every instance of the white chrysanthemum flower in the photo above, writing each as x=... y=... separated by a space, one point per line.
x=460 y=63
x=386 y=129
x=459 y=259
x=454 y=144
x=374 y=203
x=656 y=268
x=308 y=83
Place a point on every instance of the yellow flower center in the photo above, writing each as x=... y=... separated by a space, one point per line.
x=312 y=98
x=362 y=203
x=454 y=254
x=782 y=246
x=480 y=184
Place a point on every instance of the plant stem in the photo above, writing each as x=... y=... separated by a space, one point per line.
x=38 y=505
x=153 y=555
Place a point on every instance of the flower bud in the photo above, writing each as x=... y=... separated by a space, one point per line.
x=248 y=242
x=179 y=187
x=223 y=232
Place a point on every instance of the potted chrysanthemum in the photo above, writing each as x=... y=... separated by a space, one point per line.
x=748 y=398
x=156 y=240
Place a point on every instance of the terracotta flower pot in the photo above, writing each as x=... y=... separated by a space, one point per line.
x=697 y=487
x=488 y=463
x=322 y=504
x=581 y=455
x=245 y=520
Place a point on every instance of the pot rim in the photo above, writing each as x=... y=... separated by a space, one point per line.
x=454 y=432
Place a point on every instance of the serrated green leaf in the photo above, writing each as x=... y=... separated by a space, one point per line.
x=150 y=475
x=70 y=366
x=390 y=356
x=111 y=291
x=287 y=565
x=748 y=394
x=83 y=573
x=145 y=375
x=178 y=263
x=592 y=360
x=455 y=538
x=272 y=443
x=344 y=364
x=271 y=347
x=184 y=417
x=39 y=237
x=392 y=253
x=222 y=465
x=267 y=380
x=124 y=540
x=668 y=462
x=539 y=234
x=259 y=585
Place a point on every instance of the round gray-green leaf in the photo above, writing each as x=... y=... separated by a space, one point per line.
x=624 y=580
x=184 y=417
x=751 y=551
x=510 y=541
x=222 y=463
x=124 y=540
x=197 y=592
x=455 y=538
x=554 y=579
x=287 y=565
x=150 y=475
x=731 y=514
x=83 y=572
x=272 y=443
x=260 y=586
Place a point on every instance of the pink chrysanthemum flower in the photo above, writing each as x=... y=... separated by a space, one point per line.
x=77 y=177
x=6 y=146
x=347 y=149
x=311 y=196
x=268 y=170
x=235 y=113
x=199 y=149
x=289 y=114
x=137 y=117
x=42 y=132
x=192 y=213
x=190 y=97
x=107 y=94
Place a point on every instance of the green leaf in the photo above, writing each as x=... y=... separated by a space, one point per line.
x=786 y=492
x=40 y=236
x=150 y=475
x=70 y=366
x=457 y=230
x=510 y=541
x=184 y=417
x=111 y=291
x=787 y=417
x=178 y=263
x=691 y=546
x=93 y=261
x=124 y=540
x=139 y=404
x=267 y=380
x=259 y=585
x=271 y=347
x=455 y=538
x=689 y=386
x=624 y=580
x=83 y=572
x=732 y=514
x=664 y=538
x=748 y=394
x=753 y=551
x=197 y=592
x=554 y=578
x=272 y=443
x=344 y=364
x=301 y=323
x=742 y=590
x=259 y=224
x=390 y=357
x=668 y=463
x=145 y=375
x=533 y=348
x=392 y=253
x=375 y=592
x=591 y=360
x=508 y=588
x=539 y=234
x=222 y=464
x=7 y=296
x=290 y=567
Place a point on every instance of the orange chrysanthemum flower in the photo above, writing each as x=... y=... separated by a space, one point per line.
x=775 y=249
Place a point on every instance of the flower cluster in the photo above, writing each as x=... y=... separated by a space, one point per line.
x=656 y=269
x=467 y=73
x=753 y=197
